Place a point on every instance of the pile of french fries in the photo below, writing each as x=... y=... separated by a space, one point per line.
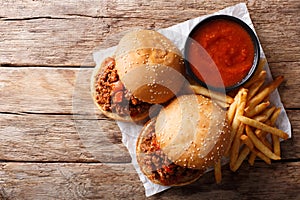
x=252 y=119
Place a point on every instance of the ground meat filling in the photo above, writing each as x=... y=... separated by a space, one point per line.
x=111 y=94
x=157 y=166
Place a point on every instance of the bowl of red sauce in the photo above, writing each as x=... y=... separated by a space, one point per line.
x=221 y=52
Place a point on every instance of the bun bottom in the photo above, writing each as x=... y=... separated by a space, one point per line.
x=125 y=118
x=156 y=166
x=104 y=79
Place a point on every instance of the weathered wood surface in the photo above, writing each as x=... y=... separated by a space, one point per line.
x=35 y=137
x=65 y=32
x=46 y=105
x=50 y=138
x=54 y=144
x=111 y=181
x=41 y=134
x=67 y=90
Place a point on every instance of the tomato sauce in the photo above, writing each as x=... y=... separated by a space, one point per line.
x=225 y=54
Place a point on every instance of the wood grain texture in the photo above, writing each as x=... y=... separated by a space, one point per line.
x=111 y=181
x=61 y=138
x=64 y=33
x=67 y=90
x=54 y=143
x=52 y=108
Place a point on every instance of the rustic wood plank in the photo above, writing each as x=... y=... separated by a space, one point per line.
x=291 y=85
x=60 y=138
x=30 y=91
x=65 y=33
x=66 y=90
x=110 y=181
x=47 y=119
x=38 y=89
x=290 y=148
x=67 y=138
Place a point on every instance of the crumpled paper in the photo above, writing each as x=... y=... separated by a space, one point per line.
x=178 y=34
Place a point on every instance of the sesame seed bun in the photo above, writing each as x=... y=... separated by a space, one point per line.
x=181 y=176
x=150 y=66
x=192 y=131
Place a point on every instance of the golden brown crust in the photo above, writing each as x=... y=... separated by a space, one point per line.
x=193 y=131
x=150 y=66
x=144 y=39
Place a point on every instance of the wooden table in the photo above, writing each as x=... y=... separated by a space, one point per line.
x=46 y=47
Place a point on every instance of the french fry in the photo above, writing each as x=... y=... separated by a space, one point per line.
x=264 y=127
x=261 y=156
x=222 y=104
x=268 y=112
x=241 y=102
x=276 y=145
x=275 y=83
x=262 y=136
x=243 y=154
x=257 y=99
x=213 y=95
x=275 y=138
x=233 y=107
x=236 y=145
x=251 y=159
x=259 y=145
x=257 y=109
x=240 y=108
x=251 y=108
x=218 y=172
x=267 y=98
x=274 y=116
x=231 y=112
x=264 y=93
x=266 y=142
x=264 y=116
x=231 y=117
x=254 y=87
x=260 y=118
x=259 y=133
x=245 y=139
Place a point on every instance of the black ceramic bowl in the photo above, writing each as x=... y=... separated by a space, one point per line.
x=250 y=33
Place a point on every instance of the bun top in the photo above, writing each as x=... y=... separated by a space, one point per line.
x=192 y=131
x=149 y=65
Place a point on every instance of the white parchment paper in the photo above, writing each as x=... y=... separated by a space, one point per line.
x=178 y=34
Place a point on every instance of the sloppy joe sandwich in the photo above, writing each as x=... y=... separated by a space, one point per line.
x=188 y=136
x=146 y=69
